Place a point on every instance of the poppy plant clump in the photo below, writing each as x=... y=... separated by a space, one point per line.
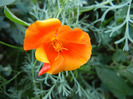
x=57 y=45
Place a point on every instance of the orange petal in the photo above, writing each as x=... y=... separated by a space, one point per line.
x=63 y=29
x=55 y=59
x=75 y=36
x=40 y=32
x=76 y=55
x=41 y=55
x=52 y=54
x=44 y=69
x=57 y=66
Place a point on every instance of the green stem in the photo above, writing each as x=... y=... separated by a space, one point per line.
x=77 y=15
x=11 y=79
x=58 y=13
x=16 y=47
x=33 y=74
x=89 y=8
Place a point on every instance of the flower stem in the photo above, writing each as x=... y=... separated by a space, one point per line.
x=33 y=75
x=59 y=13
x=10 y=79
x=89 y=8
x=16 y=47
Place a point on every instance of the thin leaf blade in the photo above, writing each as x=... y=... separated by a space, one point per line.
x=13 y=18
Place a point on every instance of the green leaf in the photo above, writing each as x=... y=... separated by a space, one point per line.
x=119 y=56
x=13 y=18
x=127 y=74
x=5 y=2
x=114 y=83
x=34 y=1
x=86 y=8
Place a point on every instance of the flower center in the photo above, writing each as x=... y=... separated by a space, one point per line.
x=57 y=45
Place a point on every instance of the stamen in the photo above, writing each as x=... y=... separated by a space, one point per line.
x=57 y=45
x=57 y=57
x=64 y=48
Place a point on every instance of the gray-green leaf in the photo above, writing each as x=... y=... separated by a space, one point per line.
x=5 y=2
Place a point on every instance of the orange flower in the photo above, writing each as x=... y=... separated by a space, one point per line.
x=58 y=46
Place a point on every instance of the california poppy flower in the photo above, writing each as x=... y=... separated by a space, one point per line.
x=57 y=45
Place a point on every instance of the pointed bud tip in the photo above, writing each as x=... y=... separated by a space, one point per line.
x=39 y=74
x=44 y=69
